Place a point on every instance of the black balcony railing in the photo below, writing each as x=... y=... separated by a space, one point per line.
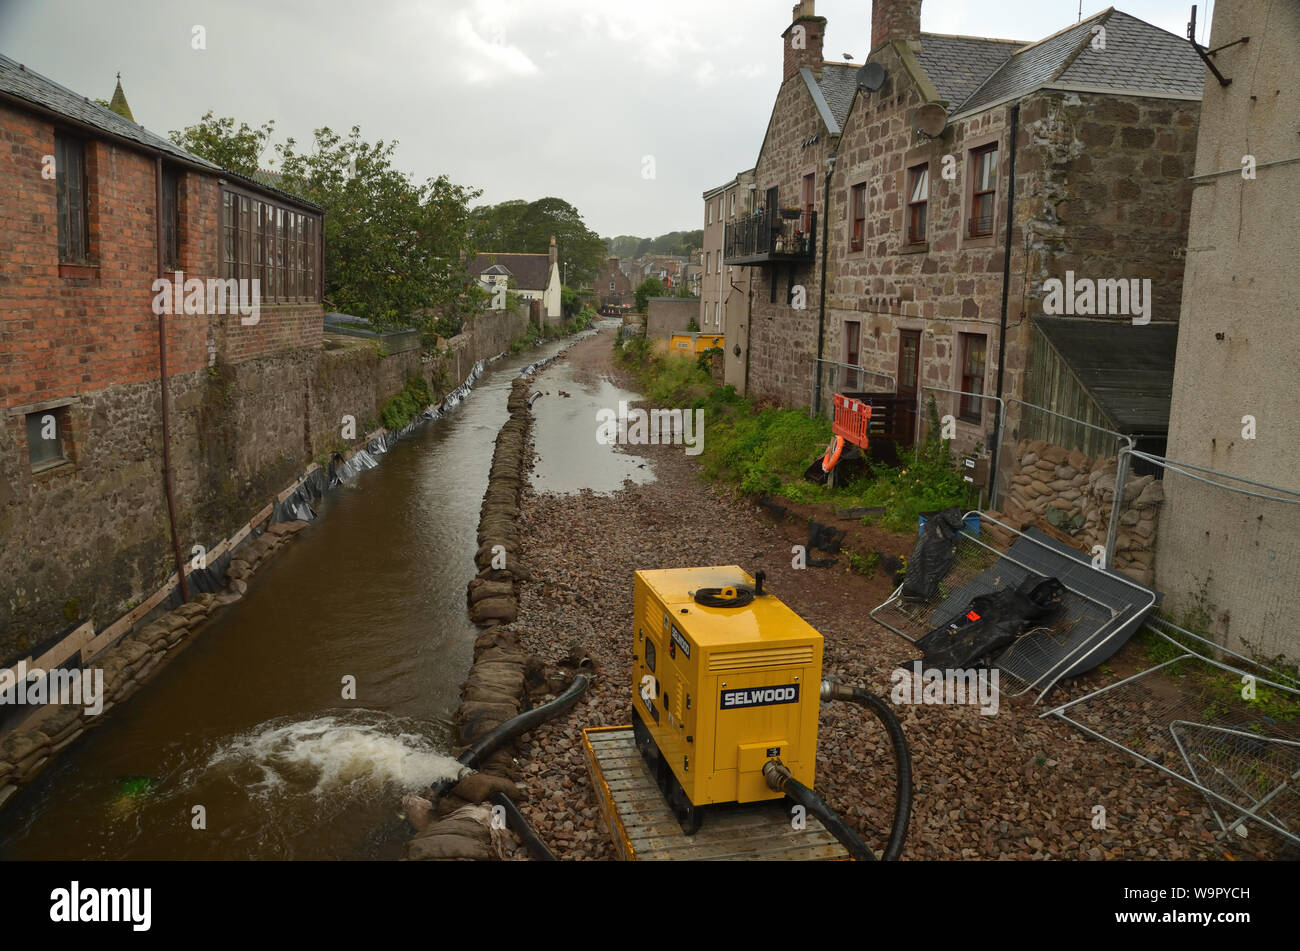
x=771 y=238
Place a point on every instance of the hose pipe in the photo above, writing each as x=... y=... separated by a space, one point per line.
x=833 y=690
x=520 y=725
x=778 y=778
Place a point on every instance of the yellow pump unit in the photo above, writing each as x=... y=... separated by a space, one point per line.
x=726 y=678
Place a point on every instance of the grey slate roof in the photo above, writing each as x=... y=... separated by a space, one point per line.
x=1127 y=369
x=28 y=86
x=957 y=65
x=25 y=84
x=532 y=272
x=1137 y=56
x=838 y=83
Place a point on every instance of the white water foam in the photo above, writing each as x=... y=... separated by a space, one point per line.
x=329 y=754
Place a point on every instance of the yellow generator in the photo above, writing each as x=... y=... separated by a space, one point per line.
x=726 y=678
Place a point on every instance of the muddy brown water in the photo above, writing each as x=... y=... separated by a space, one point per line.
x=249 y=721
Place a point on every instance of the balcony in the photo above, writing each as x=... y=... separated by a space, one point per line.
x=783 y=237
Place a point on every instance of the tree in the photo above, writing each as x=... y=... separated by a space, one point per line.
x=393 y=249
x=218 y=141
x=524 y=227
x=650 y=287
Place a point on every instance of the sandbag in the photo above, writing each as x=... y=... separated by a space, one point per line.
x=991 y=622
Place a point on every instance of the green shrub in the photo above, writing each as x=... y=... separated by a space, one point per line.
x=406 y=405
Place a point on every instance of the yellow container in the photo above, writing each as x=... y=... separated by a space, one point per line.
x=722 y=690
x=694 y=343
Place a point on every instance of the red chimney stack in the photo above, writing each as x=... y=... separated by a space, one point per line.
x=894 y=20
x=802 y=40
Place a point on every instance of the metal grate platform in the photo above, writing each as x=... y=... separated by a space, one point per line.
x=643 y=828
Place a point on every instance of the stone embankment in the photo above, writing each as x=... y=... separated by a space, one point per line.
x=1071 y=495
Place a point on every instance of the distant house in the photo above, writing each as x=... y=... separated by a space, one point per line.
x=613 y=287
x=536 y=276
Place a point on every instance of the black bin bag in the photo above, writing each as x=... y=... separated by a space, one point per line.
x=991 y=622
x=932 y=556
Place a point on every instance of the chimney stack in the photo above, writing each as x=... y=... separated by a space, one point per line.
x=894 y=20
x=555 y=251
x=802 y=40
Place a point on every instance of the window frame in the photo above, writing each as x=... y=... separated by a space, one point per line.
x=67 y=228
x=63 y=443
x=276 y=243
x=858 y=217
x=964 y=411
x=976 y=155
x=915 y=174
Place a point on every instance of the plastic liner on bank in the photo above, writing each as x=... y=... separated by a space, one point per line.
x=541 y=364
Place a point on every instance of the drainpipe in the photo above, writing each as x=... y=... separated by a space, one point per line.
x=1006 y=286
x=166 y=401
x=821 y=304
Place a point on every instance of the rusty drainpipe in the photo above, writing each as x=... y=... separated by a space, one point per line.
x=166 y=403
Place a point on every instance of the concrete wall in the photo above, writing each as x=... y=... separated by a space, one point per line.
x=1238 y=349
x=669 y=314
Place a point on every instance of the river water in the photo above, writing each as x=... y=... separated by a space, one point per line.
x=249 y=721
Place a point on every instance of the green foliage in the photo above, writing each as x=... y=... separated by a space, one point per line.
x=218 y=141
x=922 y=483
x=676 y=243
x=692 y=326
x=863 y=564
x=393 y=248
x=526 y=227
x=406 y=405
x=650 y=287
x=685 y=292
x=708 y=357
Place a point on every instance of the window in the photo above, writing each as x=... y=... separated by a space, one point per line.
x=918 y=197
x=706 y=263
x=170 y=215
x=852 y=342
x=984 y=164
x=709 y=211
x=859 y=211
x=271 y=244
x=45 y=436
x=611 y=287
x=974 y=350
x=70 y=189
x=733 y=204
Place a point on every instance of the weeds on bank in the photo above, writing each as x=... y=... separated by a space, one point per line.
x=761 y=450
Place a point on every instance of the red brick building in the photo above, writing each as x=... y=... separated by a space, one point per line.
x=93 y=209
x=613 y=288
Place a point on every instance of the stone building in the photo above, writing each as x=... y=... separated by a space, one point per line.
x=612 y=287
x=1104 y=115
x=536 y=276
x=724 y=289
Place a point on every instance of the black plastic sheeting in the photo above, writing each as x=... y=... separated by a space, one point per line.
x=933 y=555
x=991 y=622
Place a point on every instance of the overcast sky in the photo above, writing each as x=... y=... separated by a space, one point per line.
x=521 y=98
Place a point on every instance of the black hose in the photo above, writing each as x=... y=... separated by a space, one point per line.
x=778 y=777
x=714 y=598
x=902 y=762
x=521 y=827
x=521 y=724
x=833 y=823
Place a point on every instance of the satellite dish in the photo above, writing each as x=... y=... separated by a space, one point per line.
x=871 y=77
x=930 y=119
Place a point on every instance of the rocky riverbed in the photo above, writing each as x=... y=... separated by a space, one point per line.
x=1007 y=786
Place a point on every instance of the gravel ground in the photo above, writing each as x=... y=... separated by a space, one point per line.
x=1007 y=786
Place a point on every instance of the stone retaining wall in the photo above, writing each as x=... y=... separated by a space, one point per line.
x=1070 y=496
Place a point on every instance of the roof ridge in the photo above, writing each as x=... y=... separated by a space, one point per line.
x=1063 y=30
x=982 y=39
